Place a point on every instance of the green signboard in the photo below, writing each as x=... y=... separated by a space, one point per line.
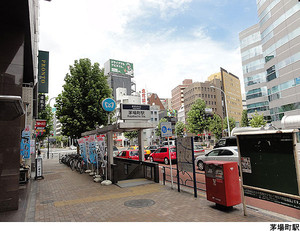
x=121 y=67
x=269 y=166
x=43 y=71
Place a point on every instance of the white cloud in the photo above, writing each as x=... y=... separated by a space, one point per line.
x=74 y=29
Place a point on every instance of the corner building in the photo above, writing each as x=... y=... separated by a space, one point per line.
x=270 y=54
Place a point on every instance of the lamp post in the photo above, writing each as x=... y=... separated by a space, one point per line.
x=49 y=131
x=228 y=127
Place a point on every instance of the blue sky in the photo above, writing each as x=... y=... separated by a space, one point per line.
x=166 y=40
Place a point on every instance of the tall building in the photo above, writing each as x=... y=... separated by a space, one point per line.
x=18 y=90
x=211 y=96
x=271 y=60
x=177 y=94
x=155 y=100
x=231 y=86
x=120 y=75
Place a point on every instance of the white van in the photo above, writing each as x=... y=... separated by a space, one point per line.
x=171 y=143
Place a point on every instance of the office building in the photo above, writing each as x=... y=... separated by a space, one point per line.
x=18 y=90
x=270 y=53
x=211 y=96
x=177 y=94
x=231 y=86
x=120 y=75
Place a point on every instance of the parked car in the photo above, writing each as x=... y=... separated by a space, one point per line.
x=171 y=143
x=133 y=147
x=152 y=148
x=115 y=151
x=198 y=150
x=220 y=154
x=226 y=141
x=147 y=152
x=72 y=147
x=129 y=154
x=162 y=154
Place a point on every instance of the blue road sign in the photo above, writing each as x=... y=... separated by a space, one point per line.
x=166 y=129
x=108 y=104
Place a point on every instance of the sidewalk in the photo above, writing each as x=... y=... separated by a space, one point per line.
x=68 y=196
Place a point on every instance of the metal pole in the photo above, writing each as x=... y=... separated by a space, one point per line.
x=48 y=148
x=170 y=164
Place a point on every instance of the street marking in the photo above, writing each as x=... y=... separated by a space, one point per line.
x=135 y=191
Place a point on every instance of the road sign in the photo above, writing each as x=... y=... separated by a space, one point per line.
x=108 y=104
x=166 y=129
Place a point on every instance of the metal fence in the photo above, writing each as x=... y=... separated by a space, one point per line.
x=184 y=178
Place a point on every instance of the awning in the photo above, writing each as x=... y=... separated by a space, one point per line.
x=11 y=107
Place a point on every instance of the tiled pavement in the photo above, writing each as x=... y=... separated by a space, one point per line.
x=68 y=196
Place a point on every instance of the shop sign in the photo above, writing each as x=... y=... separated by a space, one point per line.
x=135 y=112
x=43 y=73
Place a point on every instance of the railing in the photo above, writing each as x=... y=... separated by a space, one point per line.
x=185 y=178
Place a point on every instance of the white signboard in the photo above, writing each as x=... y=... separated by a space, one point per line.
x=166 y=129
x=38 y=167
x=135 y=112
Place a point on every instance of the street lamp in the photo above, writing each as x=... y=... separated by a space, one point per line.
x=228 y=127
x=49 y=131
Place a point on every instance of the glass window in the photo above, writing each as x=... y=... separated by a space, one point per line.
x=213 y=153
x=225 y=153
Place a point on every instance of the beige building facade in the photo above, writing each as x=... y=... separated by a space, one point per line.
x=177 y=99
x=231 y=86
x=211 y=96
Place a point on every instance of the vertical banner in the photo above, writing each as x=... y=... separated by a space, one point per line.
x=25 y=143
x=86 y=145
x=43 y=71
x=92 y=149
x=32 y=147
x=101 y=144
x=82 y=148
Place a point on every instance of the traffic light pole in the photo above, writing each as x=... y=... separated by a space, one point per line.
x=48 y=148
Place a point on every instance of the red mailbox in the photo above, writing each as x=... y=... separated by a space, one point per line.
x=222 y=183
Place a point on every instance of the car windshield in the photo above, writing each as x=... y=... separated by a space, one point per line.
x=134 y=153
x=172 y=149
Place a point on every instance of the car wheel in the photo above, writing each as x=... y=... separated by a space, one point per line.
x=151 y=159
x=166 y=161
x=200 y=165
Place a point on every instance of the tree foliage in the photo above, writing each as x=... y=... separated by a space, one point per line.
x=231 y=124
x=79 y=105
x=131 y=135
x=257 y=120
x=196 y=120
x=179 y=129
x=216 y=126
x=244 y=120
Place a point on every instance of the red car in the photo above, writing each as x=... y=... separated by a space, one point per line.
x=162 y=155
x=129 y=154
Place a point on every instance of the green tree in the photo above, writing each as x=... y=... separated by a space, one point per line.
x=79 y=105
x=231 y=123
x=244 y=120
x=131 y=135
x=196 y=120
x=158 y=130
x=179 y=129
x=257 y=120
x=48 y=116
x=216 y=126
